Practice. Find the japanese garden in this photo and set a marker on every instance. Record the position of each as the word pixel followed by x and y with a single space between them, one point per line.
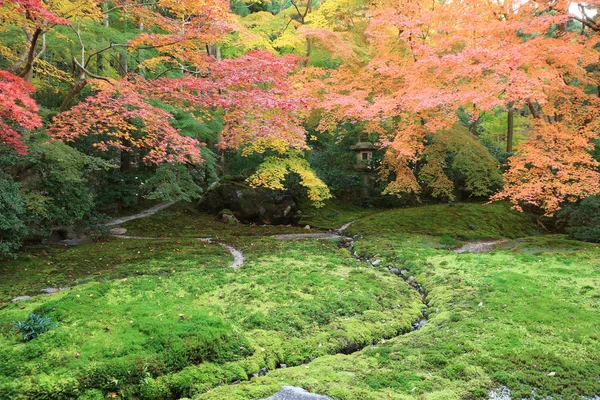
pixel 299 199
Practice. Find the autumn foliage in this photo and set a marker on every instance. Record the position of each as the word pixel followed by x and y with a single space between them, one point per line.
pixel 252 93
pixel 400 71
pixel 257 101
pixel 184 28
pixel 120 117
pixel 17 111
pixel 428 59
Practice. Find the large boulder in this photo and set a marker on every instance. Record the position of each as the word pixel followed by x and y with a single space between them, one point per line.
pixel 258 205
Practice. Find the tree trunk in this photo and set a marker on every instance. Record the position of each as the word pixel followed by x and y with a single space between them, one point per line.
pixel 105 21
pixel 125 161
pixel 125 165
pixel 23 56
pixel 511 129
pixel 26 72
pixel 123 64
pixel 534 111
pixel 73 91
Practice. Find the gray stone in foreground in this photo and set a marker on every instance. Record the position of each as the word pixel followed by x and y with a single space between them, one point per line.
pixel 20 298
pixel 501 393
pixel 295 393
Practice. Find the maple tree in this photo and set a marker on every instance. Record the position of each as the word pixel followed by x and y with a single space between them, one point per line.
pixel 401 70
pixel 35 19
pixel 257 104
pixel 17 110
pixel 428 59
pixel 183 29
pixel 120 117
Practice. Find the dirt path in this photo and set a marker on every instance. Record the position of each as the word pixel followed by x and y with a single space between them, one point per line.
pixel 143 214
pixel 480 246
pixel 238 256
pixel 299 236
pixel 345 226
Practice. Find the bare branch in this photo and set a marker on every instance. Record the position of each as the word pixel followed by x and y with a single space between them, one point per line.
pixel 103 50
pixel 90 73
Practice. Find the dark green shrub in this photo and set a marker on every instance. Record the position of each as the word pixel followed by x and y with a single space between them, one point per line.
pixel 583 219
pixel 172 182
pixel 115 189
pixel 12 216
pixel 34 326
pixel 455 162
pixel 56 187
pixel 53 190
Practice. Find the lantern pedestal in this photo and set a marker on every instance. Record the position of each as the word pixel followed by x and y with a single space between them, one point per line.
pixel 364 156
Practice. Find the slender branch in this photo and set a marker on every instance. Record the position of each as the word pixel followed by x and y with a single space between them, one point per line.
pixel 298 10
pixel 204 74
pixel 31 54
pixel 103 78
pixel 103 50
pixel 308 8
pixel 286 26
pixel 43 49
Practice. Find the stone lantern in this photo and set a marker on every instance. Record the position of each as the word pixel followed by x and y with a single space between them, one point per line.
pixel 364 156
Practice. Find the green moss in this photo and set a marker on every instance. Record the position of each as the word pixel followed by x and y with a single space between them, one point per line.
pixel 178 316
pixel 333 214
pixel 464 221
pixel 180 324
pixel 58 267
pixel 510 317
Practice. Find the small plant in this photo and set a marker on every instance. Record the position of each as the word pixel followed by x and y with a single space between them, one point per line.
pixel 34 326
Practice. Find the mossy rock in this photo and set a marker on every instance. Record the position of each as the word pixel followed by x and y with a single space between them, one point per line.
pixel 248 204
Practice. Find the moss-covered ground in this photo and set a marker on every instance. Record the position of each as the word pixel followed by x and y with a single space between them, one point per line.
pixel 167 318
pixel 333 214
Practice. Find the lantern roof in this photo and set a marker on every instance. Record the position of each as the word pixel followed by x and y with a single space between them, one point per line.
pixel 364 146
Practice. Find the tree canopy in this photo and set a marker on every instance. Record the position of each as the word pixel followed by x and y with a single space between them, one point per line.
pixel 438 86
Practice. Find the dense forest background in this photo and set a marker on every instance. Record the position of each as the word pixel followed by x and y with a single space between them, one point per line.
pixel 107 105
